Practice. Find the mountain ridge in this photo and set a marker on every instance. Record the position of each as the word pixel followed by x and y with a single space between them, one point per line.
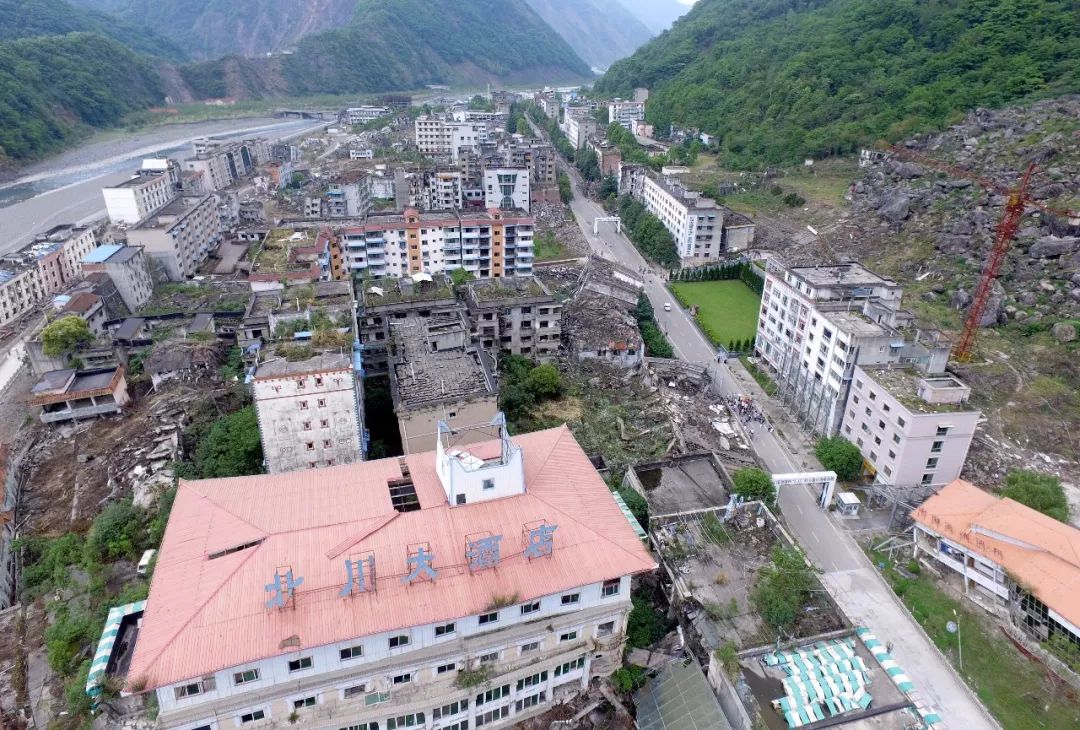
pixel 600 31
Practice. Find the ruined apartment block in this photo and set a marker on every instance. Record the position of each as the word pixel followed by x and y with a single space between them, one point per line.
pixel 518 316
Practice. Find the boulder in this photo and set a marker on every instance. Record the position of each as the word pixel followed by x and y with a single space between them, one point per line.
pixel 960 299
pixel 907 170
pixel 1050 247
pixel 1064 332
pixel 895 206
pixel 994 311
pixel 1075 294
pixel 1028 298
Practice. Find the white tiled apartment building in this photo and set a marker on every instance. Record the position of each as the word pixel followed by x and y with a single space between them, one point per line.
pixel 180 236
pixel 507 188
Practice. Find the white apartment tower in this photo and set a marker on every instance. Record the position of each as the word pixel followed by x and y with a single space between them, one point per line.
pixel 507 188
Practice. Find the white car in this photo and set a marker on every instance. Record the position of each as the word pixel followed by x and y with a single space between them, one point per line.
pixel 667 306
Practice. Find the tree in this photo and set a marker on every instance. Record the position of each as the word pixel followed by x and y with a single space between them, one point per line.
pixel 523 128
pixel 64 335
pixel 460 276
pixel 609 186
pixel 232 447
pixel 782 588
pixel 544 382
pixel 1042 492
pixel 566 192
pixel 838 454
pixel 116 533
pixel 754 484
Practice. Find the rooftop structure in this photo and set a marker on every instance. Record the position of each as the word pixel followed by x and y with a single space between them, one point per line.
pixel 516 315
pixel 354 577
pixel 66 395
pixel 920 393
pixel 1016 556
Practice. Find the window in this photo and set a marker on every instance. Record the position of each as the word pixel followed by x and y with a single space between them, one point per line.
pixel 351 652
pixel 885 407
pixel 362 726
pixel 901 421
pixel 489 484
pixel 326 443
pixel 322 402
pixel 489 618
pixel 355 691
pixel 449 710
pixel 888 471
pixel 460 499
pixel 892 454
pixel 531 646
pixel 528 608
pixel 495 693
pixel 463 725
pixel 571 598
pixel 297 665
pixel 310 445
pixel 323 423
pixel 881 424
pixel 444 629
pixel 446 668
pixel 568 636
pixel 935 448
pixel 305 702
pixel 303 405
pixel 248 675
pixel 376 698
pixel 402 678
pixel 569 666
pixel 610 587
pixel 873 395
pixel 927 479
pixel 605 629
pixel 530 701
pixel 413 719
pixel 877 441
pixel 307 425
pixel 252 717
pixel 867 411
pixel 855 399
pixel 942 430
pixel 532 680
pixel 499 713
pixel 931 463
pixel 398 641
pixel 188 690
pixel 896 438
pixel 489 658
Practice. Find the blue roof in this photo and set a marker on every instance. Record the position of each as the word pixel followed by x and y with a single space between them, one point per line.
pixel 101 254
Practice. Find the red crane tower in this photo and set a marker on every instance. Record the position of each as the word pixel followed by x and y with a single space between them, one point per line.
pixel 1018 200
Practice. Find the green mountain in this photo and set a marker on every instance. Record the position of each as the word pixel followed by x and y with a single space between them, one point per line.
pixel 53 87
pixel 778 80
pixel 29 18
pixel 406 44
pixel 600 31
pixel 212 28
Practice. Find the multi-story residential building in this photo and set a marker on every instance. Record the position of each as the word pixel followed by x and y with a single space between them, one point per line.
pixel 391 586
pixel 475 115
pixel 223 163
pixel 437 376
pixel 489 244
pixel 695 222
pixel 349 199
pixel 466 138
pixel 310 412
pixel 385 300
pixel 433 190
pixel 88 307
pixel 597 328
pixel 507 188
pixel 517 316
pixel 73 244
pixel 608 157
pixel 180 236
pixel 626 112
pixel 129 271
pixel 364 114
pixel 48 265
pixel 134 199
pixel 432 136
pixel 912 429
pixel 1016 559
pixel 578 125
pixel 20 288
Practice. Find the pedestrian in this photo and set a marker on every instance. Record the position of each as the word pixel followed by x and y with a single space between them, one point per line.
pixel 888 646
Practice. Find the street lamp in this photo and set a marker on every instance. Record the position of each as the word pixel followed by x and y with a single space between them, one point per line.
pixel 953 627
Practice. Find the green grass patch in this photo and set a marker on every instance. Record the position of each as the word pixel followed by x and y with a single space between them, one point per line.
pixel 727 310
pixel 1013 688
pixel 548 248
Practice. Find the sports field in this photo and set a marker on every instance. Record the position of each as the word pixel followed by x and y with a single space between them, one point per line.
pixel 727 310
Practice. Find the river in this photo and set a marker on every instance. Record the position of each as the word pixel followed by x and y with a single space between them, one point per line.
pixel 67 188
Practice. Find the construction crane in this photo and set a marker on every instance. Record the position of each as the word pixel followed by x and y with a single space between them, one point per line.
pixel 1018 200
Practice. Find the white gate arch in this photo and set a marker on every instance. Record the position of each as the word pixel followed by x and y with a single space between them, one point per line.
pixel 612 219
pixel 824 479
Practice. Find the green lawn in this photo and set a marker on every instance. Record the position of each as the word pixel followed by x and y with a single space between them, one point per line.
pixel 1012 687
pixel 727 310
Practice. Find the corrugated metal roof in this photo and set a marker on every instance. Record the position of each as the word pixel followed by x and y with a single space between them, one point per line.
pixel 101 254
pixel 679 698
pixel 205 615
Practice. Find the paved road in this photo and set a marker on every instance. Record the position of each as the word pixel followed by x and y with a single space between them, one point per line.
pixel 846 572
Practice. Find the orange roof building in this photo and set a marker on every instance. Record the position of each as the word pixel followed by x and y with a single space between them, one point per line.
pixel 1023 559
pixel 380 591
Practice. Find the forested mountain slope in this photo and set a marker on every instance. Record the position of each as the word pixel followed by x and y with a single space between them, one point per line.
pixel 29 18
pixel 213 28
pixel 600 31
pixel 778 80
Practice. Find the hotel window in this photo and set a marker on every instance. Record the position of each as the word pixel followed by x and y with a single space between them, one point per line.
pixel 305 702
pixel 298 665
pixel 489 618
pixel 351 652
pixel 398 641
pixel 446 668
pixel 444 629
pixel 568 636
pixel 252 717
pixel 402 678
pixel 528 608
pixel 610 587
pixel 248 675
pixel 571 598
pixel 605 629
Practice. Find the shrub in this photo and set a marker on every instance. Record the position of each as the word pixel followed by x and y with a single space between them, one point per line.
pixel 754 484
pixel 1042 492
pixel 782 588
pixel 646 625
pixel 116 533
pixel 728 656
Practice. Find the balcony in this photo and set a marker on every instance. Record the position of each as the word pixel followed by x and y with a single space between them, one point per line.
pixel 78 413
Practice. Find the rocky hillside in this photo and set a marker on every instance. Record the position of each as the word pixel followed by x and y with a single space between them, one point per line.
pixel 212 28
pixel 933 231
pixel 600 31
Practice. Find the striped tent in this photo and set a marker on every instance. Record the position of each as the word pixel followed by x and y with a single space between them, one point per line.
pixel 896 673
pixel 95 681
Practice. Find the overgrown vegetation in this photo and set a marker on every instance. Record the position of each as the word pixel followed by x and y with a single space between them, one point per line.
pixel 838 454
pixel 656 344
pixel 783 586
pixel 229 448
pixel 546 247
pixel 522 387
pixel 751 484
pixel 1042 492
pixel 648 233
pixel 628 677
pixel 64 335
pixel 841 74
pixel 646 625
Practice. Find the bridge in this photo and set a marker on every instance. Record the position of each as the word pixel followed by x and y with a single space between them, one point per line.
pixel 330 114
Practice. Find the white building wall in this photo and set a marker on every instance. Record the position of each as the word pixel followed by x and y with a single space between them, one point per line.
pixel 507 185
pixel 564 632
pixel 308 420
